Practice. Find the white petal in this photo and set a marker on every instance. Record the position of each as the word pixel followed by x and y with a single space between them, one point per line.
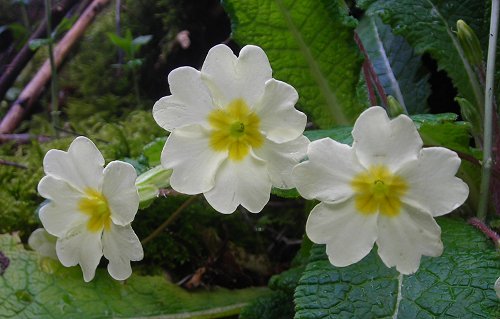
pixel 187 152
pixel 349 236
pixel 121 245
pixel 432 181
pixel 279 119
pixel 80 246
pixel 281 159
pixel 190 102
pixel 403 239
pixel 43 243
pixel 61 213
pixel 119 189
pixel 328 173
pixel 229 77
pixel 378 140
pixel 243 183
pixel 59 191
pixel 81 165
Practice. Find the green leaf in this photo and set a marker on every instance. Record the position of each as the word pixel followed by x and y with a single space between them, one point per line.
pixel 454 136
pixel 310 45
pixel 142 40
pixel 152 151
pixel 459 284
pixel 35 44
pixel 398 68
pixel 428 26
pixel 33 288
pixel 339 134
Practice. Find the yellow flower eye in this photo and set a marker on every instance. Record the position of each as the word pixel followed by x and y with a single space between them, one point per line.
pixel 95 205
pixel 378 190
pixel 235 129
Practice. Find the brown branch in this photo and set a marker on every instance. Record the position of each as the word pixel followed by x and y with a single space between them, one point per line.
pixel 4 162
pixel 22 106
pixel 25 54
pixel 23 138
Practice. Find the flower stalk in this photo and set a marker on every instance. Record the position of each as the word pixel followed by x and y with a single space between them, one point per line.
pixel 488 111
pixel 169 220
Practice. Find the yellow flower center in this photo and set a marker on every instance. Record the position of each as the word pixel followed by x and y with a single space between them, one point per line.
pixel 95 205
pixel 378 190
pixel 235 129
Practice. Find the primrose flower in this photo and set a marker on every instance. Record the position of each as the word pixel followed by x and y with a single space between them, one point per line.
pixel 234 130
pixel 90 209
pixel 43 243
pixel 384 189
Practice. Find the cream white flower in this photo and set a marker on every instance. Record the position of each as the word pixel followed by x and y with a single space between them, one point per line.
pixel 90 209
pixel 234 130
pixel 384 189
pixel 43 243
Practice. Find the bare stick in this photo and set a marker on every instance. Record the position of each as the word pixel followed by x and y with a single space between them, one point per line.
pixel 22 106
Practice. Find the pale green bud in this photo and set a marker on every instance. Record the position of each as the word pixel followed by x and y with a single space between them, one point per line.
pixel 395 108
pixel 469 43
pixel 470 114
pixel 149 183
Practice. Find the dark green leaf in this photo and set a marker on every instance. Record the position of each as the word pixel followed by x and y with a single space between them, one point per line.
pixel 428 26
pixel 35 44
pixel 310 45
pixel 459 284
pixel 398 68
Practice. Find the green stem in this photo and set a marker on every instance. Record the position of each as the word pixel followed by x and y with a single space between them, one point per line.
pixel 136 86
pixel 53 79
pixel 169 220
pixel 488 111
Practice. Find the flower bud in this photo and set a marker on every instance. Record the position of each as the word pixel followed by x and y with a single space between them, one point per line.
pixel 470 114
pixel 470 43
pixel 149 183
pixel 395 108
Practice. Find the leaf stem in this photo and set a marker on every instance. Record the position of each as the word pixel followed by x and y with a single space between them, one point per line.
pixel 169 220
pixel 488 113
pixel 53 83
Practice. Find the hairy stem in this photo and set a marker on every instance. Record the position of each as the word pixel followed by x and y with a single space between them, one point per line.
pixel 488 111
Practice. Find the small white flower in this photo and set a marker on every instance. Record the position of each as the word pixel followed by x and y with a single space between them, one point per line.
pixel 234 130
pixel 43 243
pixel 384 189
pixel 90 209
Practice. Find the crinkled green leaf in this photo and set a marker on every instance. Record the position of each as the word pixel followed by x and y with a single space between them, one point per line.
pixel 310 45
pixel 339 134
pixel 459 284
pixel 275 305
pixel 428 26
pixel 30 288
pixel 396 64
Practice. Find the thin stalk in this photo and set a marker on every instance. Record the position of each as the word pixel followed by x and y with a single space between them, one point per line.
pixel 136 86
pixel 488 113
pixel 169 220
pixel 53 79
